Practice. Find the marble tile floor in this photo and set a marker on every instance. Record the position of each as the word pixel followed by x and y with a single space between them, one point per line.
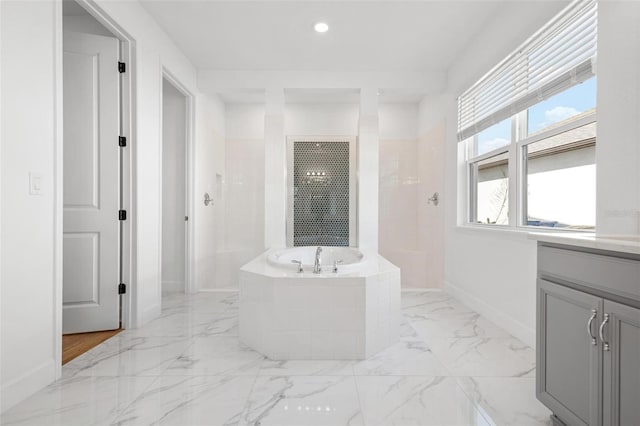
pixel 451 367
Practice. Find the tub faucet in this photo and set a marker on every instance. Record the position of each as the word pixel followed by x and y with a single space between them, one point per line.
pixel 316 266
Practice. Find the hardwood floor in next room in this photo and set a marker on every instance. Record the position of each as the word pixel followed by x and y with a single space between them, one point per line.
pixel 74 345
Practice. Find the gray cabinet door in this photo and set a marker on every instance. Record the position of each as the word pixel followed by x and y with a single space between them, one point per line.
pixel 621 365
pixel 568 361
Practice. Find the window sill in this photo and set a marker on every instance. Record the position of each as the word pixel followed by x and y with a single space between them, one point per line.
pixel 514 233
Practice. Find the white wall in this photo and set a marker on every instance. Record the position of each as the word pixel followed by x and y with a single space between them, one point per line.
pixel 325 119
pixel 27 292
pixel 173 188
pixel 618 149
pixel 492 270
pixel 29 341
pixel 154 51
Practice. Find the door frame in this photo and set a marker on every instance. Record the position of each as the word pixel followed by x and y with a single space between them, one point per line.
pixel 189 151
pixel 128 166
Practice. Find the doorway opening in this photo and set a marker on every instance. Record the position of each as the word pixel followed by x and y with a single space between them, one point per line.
pixel 93 178
pixel 175 188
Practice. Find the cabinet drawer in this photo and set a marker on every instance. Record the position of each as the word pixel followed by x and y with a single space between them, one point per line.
pixel 606 273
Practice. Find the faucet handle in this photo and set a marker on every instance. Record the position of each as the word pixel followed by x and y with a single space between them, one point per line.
pixel 299 262
pixel 335 265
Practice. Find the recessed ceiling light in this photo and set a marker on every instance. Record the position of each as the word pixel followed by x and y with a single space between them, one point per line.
pixel 321 27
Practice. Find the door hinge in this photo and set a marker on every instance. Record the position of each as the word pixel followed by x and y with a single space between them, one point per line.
pixel 121 67
pixel 122 215
pixel 122 288
pixel 122 141
pixel 186 218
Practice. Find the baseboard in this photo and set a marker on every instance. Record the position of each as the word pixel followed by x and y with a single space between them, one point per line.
pixel 218 290
pixel 26 385
pixel 512 325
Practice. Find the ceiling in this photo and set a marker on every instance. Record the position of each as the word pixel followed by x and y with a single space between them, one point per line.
pixel 364 35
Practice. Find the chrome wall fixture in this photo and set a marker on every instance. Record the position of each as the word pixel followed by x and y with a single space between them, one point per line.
pixel 435 198
pixel 207 199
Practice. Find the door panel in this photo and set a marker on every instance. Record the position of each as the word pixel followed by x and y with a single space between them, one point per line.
pixel 80 265
pixel 91 183
pixel 622 365
pixel 568 363
pixel 81 135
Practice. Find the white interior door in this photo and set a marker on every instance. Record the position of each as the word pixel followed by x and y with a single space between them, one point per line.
pixel 91 183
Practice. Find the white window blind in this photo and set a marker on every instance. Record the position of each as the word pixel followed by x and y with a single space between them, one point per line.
pixel 558 56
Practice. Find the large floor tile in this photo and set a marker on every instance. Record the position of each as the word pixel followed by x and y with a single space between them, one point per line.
pixel 396 401
pixel 306 368
pixel 207 400
pixel 406 358
pixel 217 355
pixel 78 401
pixel 429 302
pixel 469 324
pixel 127 355
pixel 213 302
pixel 175 324
pixel 407 331
pixel 508 401
pixel 188 367
pixel 303 400
pixel 224 324
pixel 485 356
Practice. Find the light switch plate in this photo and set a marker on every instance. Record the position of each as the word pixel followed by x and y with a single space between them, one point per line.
pixel 35 183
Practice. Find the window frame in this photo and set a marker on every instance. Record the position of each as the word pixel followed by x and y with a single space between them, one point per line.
pixel 517 172
pixel 523 158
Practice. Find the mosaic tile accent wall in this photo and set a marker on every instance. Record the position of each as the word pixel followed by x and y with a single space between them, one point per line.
pixel 321 193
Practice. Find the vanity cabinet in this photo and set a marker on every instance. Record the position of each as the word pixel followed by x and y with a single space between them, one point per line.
pixel 588 335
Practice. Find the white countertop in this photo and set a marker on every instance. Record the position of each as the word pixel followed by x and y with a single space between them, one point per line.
pixel 619 243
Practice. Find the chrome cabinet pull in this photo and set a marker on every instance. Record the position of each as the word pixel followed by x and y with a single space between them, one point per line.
pixel 594 339
pixel 605 345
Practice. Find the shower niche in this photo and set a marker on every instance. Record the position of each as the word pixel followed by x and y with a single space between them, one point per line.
pixel 321 199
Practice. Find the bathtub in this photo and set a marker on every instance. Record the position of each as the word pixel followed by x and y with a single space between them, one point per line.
pixel 348 258
pixel 351 314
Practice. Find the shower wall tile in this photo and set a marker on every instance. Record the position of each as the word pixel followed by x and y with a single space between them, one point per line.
pixel 431 218
pixel 244 208
pixel 399 198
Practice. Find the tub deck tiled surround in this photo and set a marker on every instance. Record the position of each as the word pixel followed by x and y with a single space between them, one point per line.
pixel 287 315
pixel 188 367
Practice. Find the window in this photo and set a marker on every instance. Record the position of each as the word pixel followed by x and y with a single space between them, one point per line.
pixel 559 167
pixel 494 137
pixel 491 180
pixel 529 129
